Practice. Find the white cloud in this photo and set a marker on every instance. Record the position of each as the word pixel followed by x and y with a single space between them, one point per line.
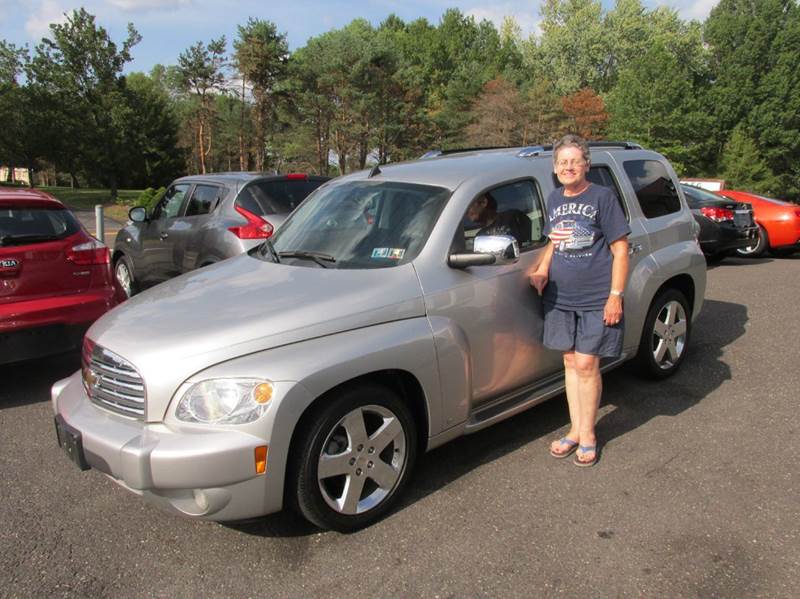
pixel 688 9
pixel 528 20
pixel 38 24
pixel 147 5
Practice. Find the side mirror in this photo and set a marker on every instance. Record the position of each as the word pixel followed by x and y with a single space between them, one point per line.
pixel 138 214
pixel 488 249
pixel 504 248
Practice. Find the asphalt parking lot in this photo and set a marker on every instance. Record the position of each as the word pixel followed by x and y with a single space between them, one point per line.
pixel 696 494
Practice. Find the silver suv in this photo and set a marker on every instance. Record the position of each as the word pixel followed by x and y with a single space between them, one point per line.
pixel 379 324
pixel 202 219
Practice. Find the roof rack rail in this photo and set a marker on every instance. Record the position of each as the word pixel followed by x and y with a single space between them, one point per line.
pixel 435 153
pixel 628 145
pixel 530 151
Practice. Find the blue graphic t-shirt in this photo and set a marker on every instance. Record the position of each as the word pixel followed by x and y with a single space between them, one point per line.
pixel 580 273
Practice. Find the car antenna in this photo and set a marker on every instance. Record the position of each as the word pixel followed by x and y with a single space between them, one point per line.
pixel 375 171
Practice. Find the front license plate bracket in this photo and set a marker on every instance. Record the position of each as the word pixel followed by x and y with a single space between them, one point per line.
pixel 69 439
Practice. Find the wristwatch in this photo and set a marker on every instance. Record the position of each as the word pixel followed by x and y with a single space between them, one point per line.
pixel 619 294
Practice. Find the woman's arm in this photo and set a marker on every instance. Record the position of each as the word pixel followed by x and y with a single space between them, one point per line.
pixel 612 313
pixel 541 274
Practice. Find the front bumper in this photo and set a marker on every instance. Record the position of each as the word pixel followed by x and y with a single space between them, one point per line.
pixel 208 474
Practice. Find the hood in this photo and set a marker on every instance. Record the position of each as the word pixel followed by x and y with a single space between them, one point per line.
pixel 245 305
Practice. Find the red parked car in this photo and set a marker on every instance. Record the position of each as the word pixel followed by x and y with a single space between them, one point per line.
pixel 778 224
pixel 55 278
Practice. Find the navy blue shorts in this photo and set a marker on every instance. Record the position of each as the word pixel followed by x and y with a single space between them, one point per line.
pixel 583 331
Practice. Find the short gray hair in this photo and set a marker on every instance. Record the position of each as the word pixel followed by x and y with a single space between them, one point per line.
pixel 572 141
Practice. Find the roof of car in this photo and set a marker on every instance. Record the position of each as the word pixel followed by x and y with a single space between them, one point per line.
pixel 27 197
pixel 451 169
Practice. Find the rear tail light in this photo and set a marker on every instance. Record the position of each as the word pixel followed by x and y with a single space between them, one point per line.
pixel 89 252
pixel 297 176
pixel 256 227
pixel 717 214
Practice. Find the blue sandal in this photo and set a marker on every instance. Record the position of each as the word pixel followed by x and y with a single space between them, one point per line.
pixel 571 446
pixel 585 449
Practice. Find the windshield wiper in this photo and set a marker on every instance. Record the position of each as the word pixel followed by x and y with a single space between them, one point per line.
pixel 20 239
pixel 317 257
pixel 267 248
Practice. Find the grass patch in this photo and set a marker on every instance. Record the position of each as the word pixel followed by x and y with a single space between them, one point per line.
pixel 85 199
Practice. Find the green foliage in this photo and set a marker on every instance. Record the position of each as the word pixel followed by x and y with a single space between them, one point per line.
pixel 150 197
pixel 655 104
pixel 744 166
pixel 719 99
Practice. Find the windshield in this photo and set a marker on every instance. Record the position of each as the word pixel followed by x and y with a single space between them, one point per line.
pixel 360 224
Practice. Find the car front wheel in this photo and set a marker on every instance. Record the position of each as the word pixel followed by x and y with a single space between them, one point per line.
pixel 665 335
pixel 353 458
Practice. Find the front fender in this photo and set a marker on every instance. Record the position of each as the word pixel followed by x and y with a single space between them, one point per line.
pixel 307 370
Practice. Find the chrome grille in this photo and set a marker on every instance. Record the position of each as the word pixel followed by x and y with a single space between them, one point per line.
pixel 112 382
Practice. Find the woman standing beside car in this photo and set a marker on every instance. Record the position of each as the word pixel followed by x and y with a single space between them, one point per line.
pixel 581 279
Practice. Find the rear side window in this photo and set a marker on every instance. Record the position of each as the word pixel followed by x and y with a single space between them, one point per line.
pixel 654 188
pixel 514 209
pixel 17 224
pixel 203 200
pixel 276 197
pixel 601 175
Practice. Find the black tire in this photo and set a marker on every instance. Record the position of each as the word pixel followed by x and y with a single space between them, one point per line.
pixel 663 346
pixel 758 249
pixel 326 501
pixel 129 286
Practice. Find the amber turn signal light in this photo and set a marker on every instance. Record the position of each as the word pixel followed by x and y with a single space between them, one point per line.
pixel 261 459
pixel 262 393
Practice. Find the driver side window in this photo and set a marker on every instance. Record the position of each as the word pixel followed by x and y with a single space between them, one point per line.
pixel 170 204
pixel 514 209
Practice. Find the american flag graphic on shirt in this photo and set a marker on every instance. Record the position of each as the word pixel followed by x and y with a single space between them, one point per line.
pixel 580 236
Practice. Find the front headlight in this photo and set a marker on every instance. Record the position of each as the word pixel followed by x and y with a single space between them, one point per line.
pixel 225 401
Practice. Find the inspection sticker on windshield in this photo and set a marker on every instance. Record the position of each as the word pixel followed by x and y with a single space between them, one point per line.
pixel 396 253
pixel 380 253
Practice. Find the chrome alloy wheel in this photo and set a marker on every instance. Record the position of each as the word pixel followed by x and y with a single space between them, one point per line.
pixel 362 459
pixel 669 334
pixel 123 276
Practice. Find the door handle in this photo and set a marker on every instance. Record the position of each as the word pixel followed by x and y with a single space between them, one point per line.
pixel 634 248
pixel 163 236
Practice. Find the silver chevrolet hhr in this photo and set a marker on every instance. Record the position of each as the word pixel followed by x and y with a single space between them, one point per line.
pixel 380 323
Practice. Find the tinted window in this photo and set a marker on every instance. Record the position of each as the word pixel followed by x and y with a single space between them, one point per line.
pixel 277 197
pixel 170 204
pixel 695 196
pixel 514 209
pixel 363 224
pixel 35 222
pixel 601 175
pixel 655 190
pixel 203 199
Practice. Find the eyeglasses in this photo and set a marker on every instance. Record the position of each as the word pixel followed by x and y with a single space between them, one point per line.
pixel 570 163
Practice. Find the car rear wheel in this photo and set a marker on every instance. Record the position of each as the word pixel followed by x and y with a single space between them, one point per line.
pixel 123 273
pixel 665 335
pixel 354 458
pixel 758 247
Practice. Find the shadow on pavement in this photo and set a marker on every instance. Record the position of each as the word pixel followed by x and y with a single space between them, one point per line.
pixel 636 401
pixel 30 381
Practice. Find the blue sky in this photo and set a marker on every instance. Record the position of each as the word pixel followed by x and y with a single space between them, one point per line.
pixel 170 26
